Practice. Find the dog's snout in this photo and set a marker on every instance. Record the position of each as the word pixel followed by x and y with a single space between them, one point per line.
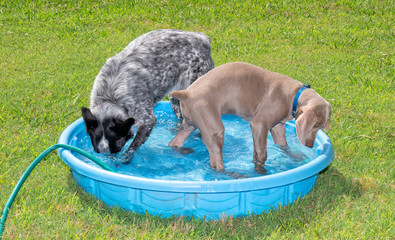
pixel 103 145
pixel 310 143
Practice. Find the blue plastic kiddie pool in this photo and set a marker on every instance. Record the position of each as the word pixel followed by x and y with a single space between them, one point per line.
pixel 165 182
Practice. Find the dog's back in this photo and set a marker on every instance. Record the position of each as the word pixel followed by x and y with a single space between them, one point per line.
pixel 150 66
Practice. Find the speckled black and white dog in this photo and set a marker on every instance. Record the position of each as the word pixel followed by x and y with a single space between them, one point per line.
pixel 133 81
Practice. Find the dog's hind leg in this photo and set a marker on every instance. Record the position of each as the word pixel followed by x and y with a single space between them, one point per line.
pixel 209 122
pixel 184 132
pixel 214 142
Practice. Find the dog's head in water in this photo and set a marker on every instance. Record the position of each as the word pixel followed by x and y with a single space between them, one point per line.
pixel 108 132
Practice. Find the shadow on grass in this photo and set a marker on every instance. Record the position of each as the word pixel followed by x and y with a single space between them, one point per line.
pixel 329 192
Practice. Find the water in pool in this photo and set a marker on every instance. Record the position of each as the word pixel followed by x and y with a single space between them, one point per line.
pixel 156 160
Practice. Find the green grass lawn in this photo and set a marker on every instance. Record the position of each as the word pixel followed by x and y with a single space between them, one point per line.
pixel 51 51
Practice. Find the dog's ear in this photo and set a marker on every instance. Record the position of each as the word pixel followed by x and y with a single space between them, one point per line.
pixel 329 111
pixel 122 127
pixel 90 120
pixel 326 127
pixel 305 120
pixel 180 95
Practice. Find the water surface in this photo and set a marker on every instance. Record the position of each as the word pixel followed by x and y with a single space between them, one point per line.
pixel 156 160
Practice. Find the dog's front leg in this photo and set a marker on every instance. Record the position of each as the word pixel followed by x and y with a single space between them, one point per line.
pixel 259 133
pixel 278 134
pixel 142 134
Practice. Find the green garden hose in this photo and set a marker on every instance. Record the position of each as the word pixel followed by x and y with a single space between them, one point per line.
pixel 33 165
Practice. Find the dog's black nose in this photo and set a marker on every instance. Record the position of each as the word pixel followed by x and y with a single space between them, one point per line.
pixel 96 149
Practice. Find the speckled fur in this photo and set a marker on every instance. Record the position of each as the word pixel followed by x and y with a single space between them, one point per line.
pixel 133 81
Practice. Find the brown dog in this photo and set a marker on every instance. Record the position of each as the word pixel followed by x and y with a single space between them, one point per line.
pixel 262 97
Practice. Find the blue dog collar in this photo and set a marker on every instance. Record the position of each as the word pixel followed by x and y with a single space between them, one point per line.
pixel 295 103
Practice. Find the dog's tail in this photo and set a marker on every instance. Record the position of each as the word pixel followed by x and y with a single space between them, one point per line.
pixel 180 95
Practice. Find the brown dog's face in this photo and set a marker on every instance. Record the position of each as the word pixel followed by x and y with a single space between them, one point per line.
pixel 309 120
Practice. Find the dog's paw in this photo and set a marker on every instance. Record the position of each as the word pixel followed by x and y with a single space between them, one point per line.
pixel 217 165
pixel 260 169
pixel 126 157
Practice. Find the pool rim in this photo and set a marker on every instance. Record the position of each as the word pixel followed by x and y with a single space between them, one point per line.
pixel 324 150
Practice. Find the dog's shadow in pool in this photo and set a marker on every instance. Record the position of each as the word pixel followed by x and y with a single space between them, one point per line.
pixel 183 150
